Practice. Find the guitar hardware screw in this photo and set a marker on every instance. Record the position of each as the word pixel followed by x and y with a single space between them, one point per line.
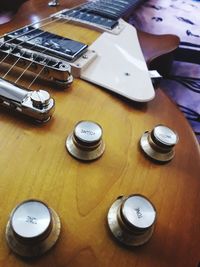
pixel 33 228
pixel 40 99
pixel 127 74
pixel 159 143
pixel 85 56
pixel 85 142
pixel 131 219
pixel 53 3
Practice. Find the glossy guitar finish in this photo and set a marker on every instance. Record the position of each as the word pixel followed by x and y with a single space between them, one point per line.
pixel 8 10
pixel 92 62
pixel 35 164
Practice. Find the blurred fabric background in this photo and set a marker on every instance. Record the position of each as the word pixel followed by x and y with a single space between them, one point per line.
pixel 183 19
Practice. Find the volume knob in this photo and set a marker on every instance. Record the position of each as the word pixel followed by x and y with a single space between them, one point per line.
pixel 85 142
pixel 33 228
pixel 159 143
pixel 131 219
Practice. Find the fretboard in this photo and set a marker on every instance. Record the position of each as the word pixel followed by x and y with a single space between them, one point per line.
pixel 104 13
pixel 113 9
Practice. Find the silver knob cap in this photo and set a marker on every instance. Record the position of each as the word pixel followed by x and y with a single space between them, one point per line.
pixel 159 143
pixel 53 3
pixel 85 142
pixel 40 99
pixel 33 228
pixel 131 219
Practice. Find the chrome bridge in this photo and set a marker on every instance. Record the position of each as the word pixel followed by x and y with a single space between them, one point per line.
pixel 48 67
pixel 36 104
pixel 52 56
pixel 47 56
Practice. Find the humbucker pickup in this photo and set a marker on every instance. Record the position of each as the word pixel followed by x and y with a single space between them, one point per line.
pixel 48 43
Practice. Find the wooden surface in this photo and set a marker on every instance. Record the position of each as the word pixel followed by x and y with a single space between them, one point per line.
pixel 8 9
pixel 34 164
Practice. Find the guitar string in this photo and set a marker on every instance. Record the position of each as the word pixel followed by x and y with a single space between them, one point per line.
pixel 66 21
pixel 38 74
pixel 12 39
pixel 34 23
pixel 16 45
pixel 31 31
pixel 46 63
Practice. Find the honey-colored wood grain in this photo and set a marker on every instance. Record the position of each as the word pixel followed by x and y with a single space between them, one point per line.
pixel 35 164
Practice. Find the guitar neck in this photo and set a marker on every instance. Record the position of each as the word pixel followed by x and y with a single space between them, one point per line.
pixel 102 14
pixel 113 9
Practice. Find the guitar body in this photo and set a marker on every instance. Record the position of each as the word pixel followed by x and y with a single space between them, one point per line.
pixel 35 164
pixel 8 10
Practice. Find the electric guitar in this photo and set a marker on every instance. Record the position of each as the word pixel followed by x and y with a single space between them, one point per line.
pixel 42 161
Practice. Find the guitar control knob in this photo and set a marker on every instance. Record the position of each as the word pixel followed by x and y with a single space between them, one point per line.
pixel 131 219
pixel 85 142
pixel 159 143
pixel 40 99
pixel 33 228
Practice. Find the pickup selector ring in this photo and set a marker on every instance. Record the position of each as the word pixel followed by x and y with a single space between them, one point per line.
pixel 85 142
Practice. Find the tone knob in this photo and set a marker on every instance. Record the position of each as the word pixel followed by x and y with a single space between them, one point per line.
pixel 159 143
pixel 131 219
pixel 85 142
pixel 40 98
pixel 33 228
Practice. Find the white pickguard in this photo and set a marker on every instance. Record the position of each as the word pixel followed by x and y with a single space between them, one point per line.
pixel 120 65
